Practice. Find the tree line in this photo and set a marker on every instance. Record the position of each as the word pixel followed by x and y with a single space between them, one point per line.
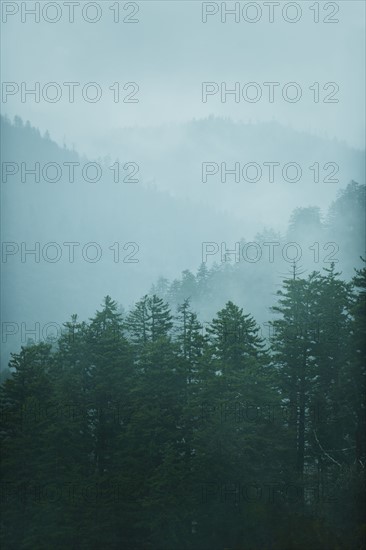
pixel 147 431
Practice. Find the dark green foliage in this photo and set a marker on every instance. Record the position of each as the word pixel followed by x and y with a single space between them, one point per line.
pixel 151 432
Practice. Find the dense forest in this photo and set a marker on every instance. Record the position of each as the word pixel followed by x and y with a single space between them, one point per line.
pixel 183 275
pixel 148 430
pixel 223 410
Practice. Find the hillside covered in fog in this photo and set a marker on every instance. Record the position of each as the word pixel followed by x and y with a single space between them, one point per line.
pixel 161 219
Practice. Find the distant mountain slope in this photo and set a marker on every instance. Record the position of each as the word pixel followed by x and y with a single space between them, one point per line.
pixel 168 232
pixel 163 230
pixel 172 156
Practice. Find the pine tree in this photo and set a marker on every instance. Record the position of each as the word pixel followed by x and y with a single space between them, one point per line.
pixel 309 352
pixel 293 359
pixel 358 366
pixel 234 431
pixel 26 401
pixel 110 367
pixel 202 278
pixel 235 337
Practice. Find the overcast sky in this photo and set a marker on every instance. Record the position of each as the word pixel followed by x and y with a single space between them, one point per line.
pixel 170 52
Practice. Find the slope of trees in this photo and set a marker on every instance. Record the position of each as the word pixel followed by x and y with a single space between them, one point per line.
pixel 28 206
pixel 152 431
pixel 338 238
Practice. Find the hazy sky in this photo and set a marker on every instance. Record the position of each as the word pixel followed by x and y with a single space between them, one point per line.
pixel 170 52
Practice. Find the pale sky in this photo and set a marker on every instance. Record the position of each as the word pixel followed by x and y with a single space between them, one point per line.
pixel 170 52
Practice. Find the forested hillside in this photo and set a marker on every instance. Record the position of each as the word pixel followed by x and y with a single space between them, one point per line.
pixel 147 236
pixel 183 275
pixel 149 430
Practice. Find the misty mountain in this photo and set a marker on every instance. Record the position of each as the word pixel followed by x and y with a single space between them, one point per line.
pixel 172 157
pixel 90 238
